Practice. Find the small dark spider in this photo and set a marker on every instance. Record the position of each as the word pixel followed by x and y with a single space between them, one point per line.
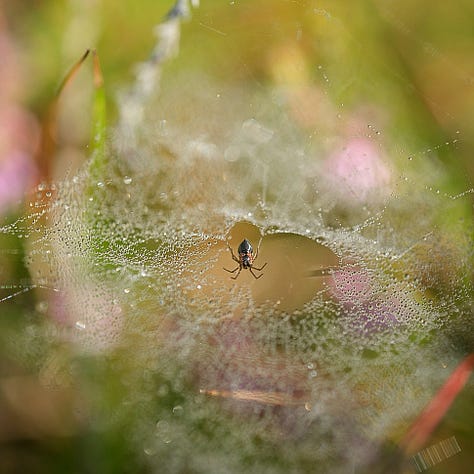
pixel 246 259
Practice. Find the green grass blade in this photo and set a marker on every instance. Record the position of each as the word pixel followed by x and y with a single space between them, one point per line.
pixel 99 123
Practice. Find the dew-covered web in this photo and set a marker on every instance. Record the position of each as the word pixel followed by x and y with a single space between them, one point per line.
pixel 367 285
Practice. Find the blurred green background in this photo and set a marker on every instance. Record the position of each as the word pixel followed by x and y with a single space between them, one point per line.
pixel 412 59
pixel 400 72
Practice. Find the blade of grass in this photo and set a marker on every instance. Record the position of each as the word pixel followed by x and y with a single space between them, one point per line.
pixel 99 122
pixel 49 126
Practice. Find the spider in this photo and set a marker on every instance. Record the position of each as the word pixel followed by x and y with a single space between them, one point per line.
pixel 246 259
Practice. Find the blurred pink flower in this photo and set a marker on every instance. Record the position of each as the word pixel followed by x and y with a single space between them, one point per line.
pixel 351 284
pixel 89 316
pixel 16 175
pixel 357 173
pixel 18 142
pixel 366 308
pixel 19 130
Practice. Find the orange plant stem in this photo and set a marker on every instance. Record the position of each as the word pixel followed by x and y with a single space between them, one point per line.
pixel 429 418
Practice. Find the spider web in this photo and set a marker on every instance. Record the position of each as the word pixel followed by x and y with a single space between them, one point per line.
pixel 359 312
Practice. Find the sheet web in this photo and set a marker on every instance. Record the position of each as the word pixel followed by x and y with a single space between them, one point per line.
pixel 325 358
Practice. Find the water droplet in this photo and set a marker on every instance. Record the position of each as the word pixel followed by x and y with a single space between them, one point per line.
pixel 256 132
pixel 232 153
pixel 127 179
pixel 149 450
pixel 42 306
pixel 163 431
pixel 162 425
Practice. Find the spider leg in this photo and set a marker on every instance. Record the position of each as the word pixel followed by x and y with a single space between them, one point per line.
pixel 231 271
pixel 261 268
pixel 253 274
pixel 232 252
pixel 238 273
